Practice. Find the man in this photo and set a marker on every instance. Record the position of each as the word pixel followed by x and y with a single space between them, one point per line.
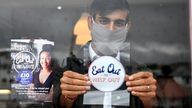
pixel 108 23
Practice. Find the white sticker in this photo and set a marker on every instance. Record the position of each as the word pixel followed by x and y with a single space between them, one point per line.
pixel 106 73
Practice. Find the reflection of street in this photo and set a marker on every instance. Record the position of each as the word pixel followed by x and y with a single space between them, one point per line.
pixel 19 92
pixel 173 93
pixel 4 68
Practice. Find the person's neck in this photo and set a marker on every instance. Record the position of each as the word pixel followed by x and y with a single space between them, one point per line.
pixel 47 70
pixel 99 53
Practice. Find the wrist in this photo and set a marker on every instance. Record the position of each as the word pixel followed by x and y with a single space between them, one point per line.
pixel 66 101
pixel 70 99
pixel 148 102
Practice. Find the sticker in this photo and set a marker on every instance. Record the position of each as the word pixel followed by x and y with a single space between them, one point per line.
pixel 24 63
pixel 25 77
pixel 25 60
pixel 106 73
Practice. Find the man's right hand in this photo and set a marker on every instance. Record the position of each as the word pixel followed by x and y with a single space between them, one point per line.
pixel 74 84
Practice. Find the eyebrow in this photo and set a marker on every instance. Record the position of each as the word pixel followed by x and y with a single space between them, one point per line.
pixel 102 17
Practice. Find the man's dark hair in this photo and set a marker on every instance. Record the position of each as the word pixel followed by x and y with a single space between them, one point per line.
pixel 104 7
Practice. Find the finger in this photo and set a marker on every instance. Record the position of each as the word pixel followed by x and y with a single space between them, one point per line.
pixel 138 82
pixel 75 75
pixel 71 81
pixel 72 93
pixel 126 77
pixel 143 94
pixel 139 75
pixel 74 87
pixel 148 88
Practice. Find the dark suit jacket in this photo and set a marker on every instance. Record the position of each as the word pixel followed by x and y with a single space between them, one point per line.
pixel 80 64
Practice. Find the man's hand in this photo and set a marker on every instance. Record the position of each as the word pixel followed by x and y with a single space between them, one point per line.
pixel 143 85
pixel 74 84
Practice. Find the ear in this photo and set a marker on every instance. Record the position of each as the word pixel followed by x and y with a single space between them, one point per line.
pixel 90 22
pixel 129 25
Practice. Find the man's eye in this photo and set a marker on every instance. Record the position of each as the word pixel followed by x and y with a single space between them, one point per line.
pixel 104 21
pixel 120 23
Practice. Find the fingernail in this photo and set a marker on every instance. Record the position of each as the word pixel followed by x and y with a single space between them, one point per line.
pixel 133 93
pixel 126 78
pixel 130 78
pixel 129 89
pixel 87 78
pixel 88 87
pixel 128 83
pixel 88 82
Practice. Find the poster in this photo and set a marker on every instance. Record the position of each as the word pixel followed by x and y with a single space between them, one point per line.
pixel 31 69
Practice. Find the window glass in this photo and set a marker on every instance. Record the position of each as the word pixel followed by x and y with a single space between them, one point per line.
pixel 158 37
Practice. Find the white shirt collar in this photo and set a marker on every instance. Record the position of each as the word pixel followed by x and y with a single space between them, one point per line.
pixel 93 54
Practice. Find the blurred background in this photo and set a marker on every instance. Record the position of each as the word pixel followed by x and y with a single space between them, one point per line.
pixel 159 37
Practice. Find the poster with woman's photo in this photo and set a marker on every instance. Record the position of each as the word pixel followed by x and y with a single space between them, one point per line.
pixel 31 70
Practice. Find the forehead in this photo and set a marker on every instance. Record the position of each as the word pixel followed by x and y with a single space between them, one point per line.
pixel 45 54
pixel 118 14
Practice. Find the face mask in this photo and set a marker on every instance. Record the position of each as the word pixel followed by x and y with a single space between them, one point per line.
pixel 107 42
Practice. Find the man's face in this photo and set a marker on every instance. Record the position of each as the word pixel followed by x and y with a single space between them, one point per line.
pixel 114 20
